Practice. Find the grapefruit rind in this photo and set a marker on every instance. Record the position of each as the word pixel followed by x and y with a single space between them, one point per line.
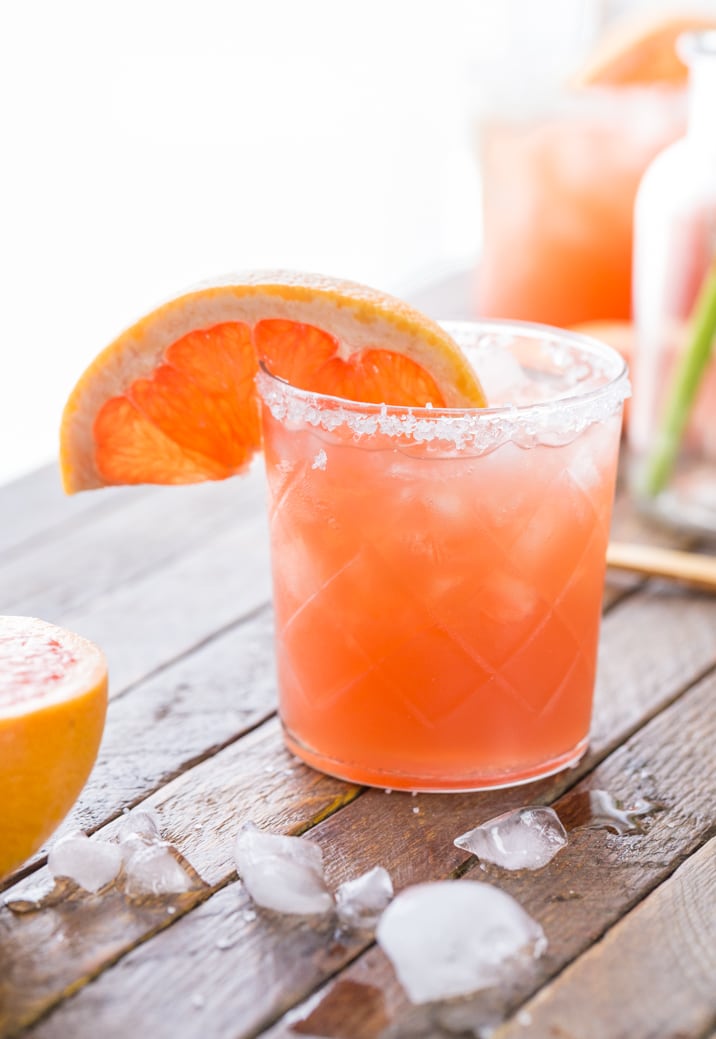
pixel 49 740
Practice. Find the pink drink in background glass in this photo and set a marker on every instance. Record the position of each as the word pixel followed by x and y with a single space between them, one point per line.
pixel 558 197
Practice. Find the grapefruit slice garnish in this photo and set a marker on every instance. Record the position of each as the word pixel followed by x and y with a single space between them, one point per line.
pixel 641 50
pixel 53 700
pixel 172 399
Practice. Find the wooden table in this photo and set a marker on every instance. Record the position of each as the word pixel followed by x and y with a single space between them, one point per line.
pixel 174 584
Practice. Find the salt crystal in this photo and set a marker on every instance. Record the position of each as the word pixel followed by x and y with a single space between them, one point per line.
pixel 320 461
pixel 453 937
pixel 526 838
pixel 90 863
pixel 154 869
pixel 361 901
pixel 282 873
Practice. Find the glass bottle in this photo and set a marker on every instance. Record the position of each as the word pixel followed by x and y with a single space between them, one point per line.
pixel 672 426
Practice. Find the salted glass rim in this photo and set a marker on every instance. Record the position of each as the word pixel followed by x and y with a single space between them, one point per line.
pixel 616 382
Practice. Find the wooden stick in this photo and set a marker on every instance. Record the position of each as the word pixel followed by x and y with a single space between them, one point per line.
pixel 690 567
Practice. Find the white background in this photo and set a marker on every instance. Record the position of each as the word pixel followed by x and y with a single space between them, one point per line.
pixel 151 144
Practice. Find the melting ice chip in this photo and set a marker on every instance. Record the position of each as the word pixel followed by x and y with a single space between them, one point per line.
pixel 453 937
pixel 282 873
pixel 526 838
pixel 154 869
pixel 361 901
pixel 90 863
pixel 138 828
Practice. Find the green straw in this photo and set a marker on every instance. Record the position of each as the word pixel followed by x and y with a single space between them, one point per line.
pixel 687 378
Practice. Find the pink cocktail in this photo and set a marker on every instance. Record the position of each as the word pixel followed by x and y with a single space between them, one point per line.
pixel 438 575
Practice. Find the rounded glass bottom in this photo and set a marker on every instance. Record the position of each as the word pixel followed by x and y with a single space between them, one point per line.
pixel 687 502
pixel 436 782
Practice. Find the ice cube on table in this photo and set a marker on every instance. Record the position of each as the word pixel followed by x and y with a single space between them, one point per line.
pixel 526 838
pixel 453 937
pixel 138 828
pixel 155 869
pixel 140 822
pixel 90 863
pixel 361 901
pixel 282 873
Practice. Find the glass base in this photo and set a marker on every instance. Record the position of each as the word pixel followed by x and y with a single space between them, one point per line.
pixel 354 772
pixel 687 503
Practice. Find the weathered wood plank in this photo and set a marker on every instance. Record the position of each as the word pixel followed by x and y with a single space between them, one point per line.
pixel 34 507
pixel 95 554
pixel 666 946
pixel 275 962
pixel 45 953
pixel 157 618
pixel 652 645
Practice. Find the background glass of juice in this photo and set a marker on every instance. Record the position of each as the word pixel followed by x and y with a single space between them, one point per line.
pixel 558 191
pixel 437 574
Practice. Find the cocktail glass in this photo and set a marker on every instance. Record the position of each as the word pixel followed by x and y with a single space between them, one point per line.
pixel 438 574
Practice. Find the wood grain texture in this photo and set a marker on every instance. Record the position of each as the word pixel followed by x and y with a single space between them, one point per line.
pixel 35 509
pixel 652 646
pixel 274 962
pixel 148 624
pixel 666 946
pixel 144 532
